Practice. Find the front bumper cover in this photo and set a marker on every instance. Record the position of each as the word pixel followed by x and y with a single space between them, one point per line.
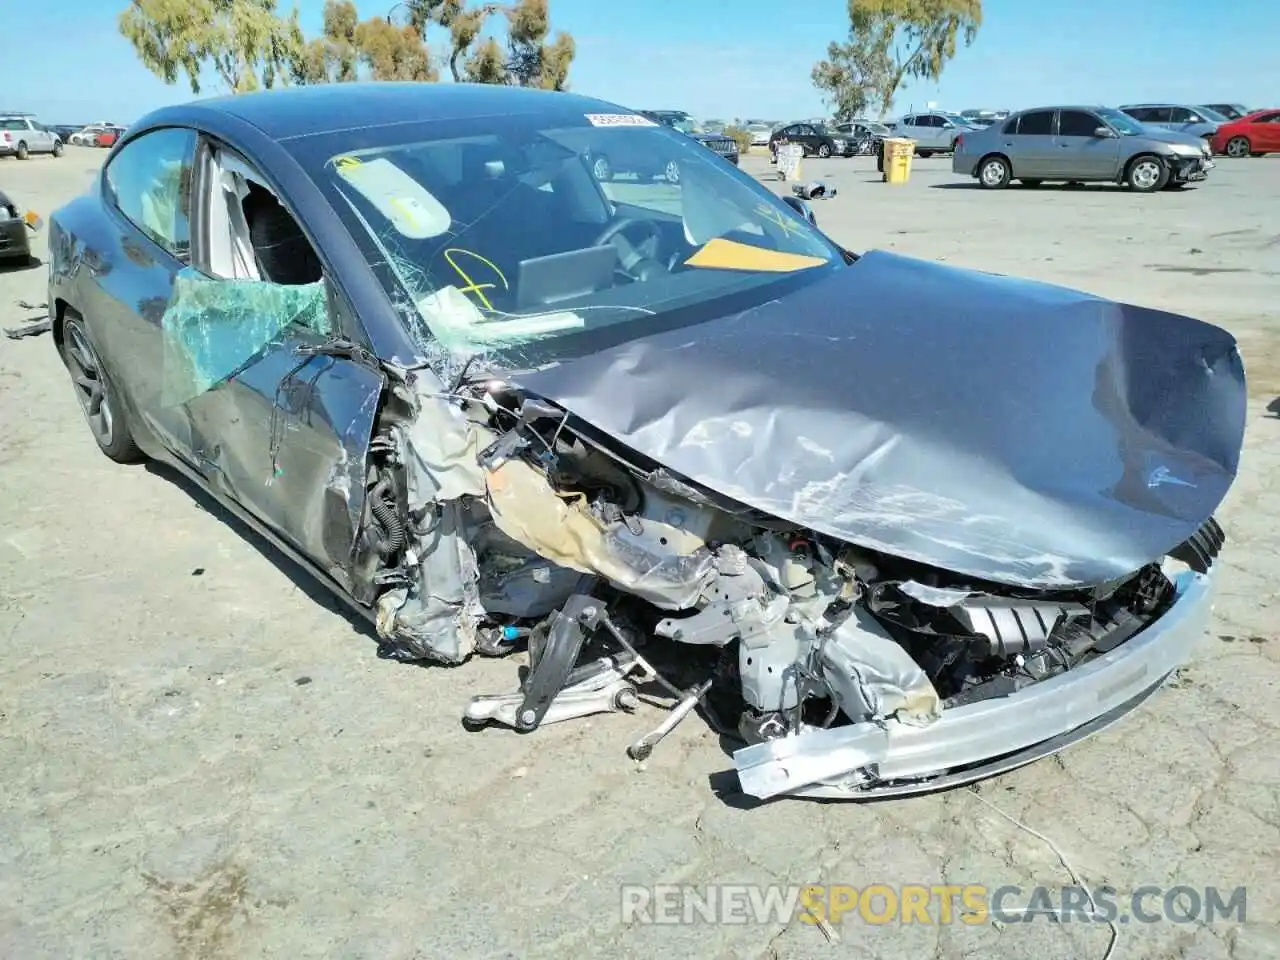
pixel 1191 169
pixel 975 741
pixel 14 242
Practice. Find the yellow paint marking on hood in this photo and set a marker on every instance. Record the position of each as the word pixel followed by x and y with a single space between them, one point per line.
pixel 722 254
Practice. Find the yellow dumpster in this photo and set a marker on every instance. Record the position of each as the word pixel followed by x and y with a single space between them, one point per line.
pixel 898 152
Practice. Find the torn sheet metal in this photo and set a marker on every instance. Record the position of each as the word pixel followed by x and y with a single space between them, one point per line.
pixel 213 327
pixel 543 540
pixel 659 563
pixel 872 677
pixel 999 428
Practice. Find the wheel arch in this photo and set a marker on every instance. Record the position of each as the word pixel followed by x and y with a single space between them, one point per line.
pixel 1133 161
pixel 992 155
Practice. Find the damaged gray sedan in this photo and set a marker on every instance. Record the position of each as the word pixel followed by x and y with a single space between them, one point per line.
pixel 892 524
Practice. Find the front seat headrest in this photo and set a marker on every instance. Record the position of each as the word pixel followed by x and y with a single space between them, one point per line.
pixel 284 253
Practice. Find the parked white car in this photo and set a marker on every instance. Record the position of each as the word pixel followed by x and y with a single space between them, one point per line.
pixel 88 137
pixel 933 132
pixel 22 135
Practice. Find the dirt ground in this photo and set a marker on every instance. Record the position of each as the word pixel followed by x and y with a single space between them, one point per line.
pixel 201 758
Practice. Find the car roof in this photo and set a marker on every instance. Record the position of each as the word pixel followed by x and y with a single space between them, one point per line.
pixel 332 107
pixel 1087 107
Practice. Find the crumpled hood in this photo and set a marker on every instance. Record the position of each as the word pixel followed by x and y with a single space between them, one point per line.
pixel 1003 429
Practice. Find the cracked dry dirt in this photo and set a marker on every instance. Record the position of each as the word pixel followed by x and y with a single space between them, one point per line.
pixel 199 759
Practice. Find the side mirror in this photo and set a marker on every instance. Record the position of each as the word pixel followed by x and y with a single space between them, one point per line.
pixel 1103 132
pixel 801 207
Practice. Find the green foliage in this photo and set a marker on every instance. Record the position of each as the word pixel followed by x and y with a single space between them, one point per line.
pixel 851 76
pixel 891 41
pixel 334 56
pixel 527 60
pixel 532 62
pixel 741 137
pixel 245 42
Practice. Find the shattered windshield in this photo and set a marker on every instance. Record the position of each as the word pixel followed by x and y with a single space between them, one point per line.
pixel 524 233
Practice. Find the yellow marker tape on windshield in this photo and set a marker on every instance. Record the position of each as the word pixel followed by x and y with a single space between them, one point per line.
pixel 473 287
pixel 346 163
pixel 722 254
pixel 778 219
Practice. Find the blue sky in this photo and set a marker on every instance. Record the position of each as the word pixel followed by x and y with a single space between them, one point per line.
pixel 744 58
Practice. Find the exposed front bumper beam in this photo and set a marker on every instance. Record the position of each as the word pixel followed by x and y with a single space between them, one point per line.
pixel 868 759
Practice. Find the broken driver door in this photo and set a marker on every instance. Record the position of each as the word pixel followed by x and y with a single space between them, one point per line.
pixel 281 415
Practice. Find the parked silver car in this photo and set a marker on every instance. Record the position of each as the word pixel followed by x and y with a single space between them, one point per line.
pixel 1232 111
pixel 21 135
pixel 1197 121
pixel 933 132
pixel 1078 144
pixel 863 128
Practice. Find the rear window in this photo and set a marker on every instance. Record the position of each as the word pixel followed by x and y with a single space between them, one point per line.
pixel 13 123
pixel 1038 123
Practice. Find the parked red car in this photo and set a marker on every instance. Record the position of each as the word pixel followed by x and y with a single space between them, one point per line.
pixel 108 137
pixel 1250 136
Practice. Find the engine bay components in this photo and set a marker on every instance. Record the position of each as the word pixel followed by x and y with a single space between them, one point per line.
pixel 541 537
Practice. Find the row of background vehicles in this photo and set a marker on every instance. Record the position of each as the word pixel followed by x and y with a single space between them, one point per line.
pixel 1230 129
pixel 22 135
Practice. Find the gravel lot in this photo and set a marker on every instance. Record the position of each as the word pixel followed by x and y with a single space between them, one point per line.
pixel 201 758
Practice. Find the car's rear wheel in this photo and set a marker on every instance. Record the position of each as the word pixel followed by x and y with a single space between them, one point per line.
pixel 824 150
pixel 994 173
pixel 102 413
pixel 22 152
pixel 601 168
pixel 1147 173
pixel 1238 147
pixel 924 154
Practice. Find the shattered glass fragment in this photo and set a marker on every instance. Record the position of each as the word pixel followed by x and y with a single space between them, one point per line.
pixel 213 328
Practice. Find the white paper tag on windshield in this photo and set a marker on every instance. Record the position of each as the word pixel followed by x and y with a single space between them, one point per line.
pixel 618 120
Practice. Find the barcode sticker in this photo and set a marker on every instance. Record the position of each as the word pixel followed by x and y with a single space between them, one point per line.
pixel 619 120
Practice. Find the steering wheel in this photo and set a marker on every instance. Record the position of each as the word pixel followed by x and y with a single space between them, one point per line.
pixel 632 254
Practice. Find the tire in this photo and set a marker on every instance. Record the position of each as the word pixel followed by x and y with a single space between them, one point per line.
pixel 1147 173
pixel 601 168
pixel 98 401
pixel 671 171
pixel 22 153
pixel 924 154
pixel 994 173
pixel 1031 183
pixel 1239 147
pixel 57 148
pixel 824 150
